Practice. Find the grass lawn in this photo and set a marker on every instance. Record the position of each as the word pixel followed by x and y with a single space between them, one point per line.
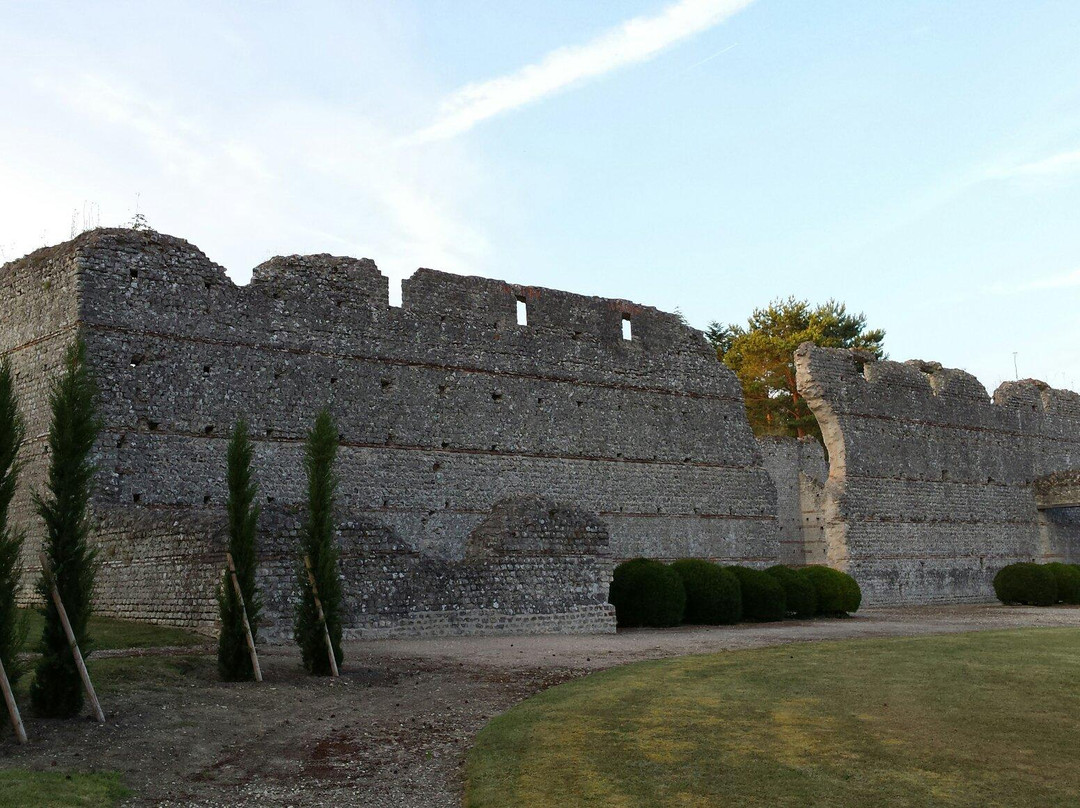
pixel 963 720
pixel 109 633
pixel 21 789
pixel 124 673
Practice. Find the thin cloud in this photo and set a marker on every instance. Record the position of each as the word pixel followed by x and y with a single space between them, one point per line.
pixel 1055 166
pixel 1066 280
pixel 633 41
pixel 710 58
pixel 301 174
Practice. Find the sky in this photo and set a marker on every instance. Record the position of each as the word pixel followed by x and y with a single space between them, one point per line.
pixel 919 161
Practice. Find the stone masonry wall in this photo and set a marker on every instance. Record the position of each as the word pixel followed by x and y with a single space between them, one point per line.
pixel 446 405
pixel 1057 496
pixel 799 471
pixel 39 313
pixel 930 482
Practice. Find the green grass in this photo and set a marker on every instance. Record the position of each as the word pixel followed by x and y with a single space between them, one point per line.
pixel 963 720
pixel 25 789
pixel 110 633
pixel 125 673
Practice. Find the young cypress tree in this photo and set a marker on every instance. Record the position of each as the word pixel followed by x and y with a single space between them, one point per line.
pixel 12 627
pixel 234 660
pixel 57 689
pixel 317 542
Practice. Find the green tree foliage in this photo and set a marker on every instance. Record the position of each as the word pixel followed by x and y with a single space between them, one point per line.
pixel 1027 583
pixel 234 660
pixel 1067 578
pixel 763 598
pixel 837 592
pixel 645 592
pixel 57 689
pixel 317 542
pixel 713 596
pixel 800 594
pixel 12 431
pixel 761 352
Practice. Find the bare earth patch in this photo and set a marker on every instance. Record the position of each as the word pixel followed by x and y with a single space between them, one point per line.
pixel 394 729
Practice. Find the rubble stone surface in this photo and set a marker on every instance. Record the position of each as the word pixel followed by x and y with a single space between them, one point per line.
pixel 930 488
pixel 449 412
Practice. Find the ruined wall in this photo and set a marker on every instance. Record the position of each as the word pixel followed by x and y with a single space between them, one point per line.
pixel 799 471
pixel 1057 496
pixel 930 482
pixel 1059 534
pixel 39 304
pixel 446 405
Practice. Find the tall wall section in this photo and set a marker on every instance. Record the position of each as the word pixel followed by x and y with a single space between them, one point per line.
pixel 39 314
pixel 799 471
pixel 446 406
pixel 930 481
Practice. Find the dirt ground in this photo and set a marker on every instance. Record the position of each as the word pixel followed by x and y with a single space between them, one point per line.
pixel 393 731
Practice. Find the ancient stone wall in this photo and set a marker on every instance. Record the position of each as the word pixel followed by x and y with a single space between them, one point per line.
pixel 446 406
pixel 799 471
pixel 930 482
pixel 39 312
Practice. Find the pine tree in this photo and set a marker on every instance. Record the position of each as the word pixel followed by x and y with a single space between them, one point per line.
pixel 57 689
pixel 317 542
pixel 762 355
pixel 234 660
pixel 12 626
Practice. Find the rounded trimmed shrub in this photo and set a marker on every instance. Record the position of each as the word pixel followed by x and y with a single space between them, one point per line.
pixel 647 593
pixel 1067 578
pixel 713 595
pixel 837 592
pixel 1031 584
pixel 799 592
pixel 763 596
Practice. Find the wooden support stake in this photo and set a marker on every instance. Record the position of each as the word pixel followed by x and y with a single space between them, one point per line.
pixel 12 707
pixel 322 618
pixel 247 626
pixel 87 685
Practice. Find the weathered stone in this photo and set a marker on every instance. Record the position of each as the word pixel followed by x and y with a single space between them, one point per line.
pixel 446 407
pixel 799 470
pixel 930 487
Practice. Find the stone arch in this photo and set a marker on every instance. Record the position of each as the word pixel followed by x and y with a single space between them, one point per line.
pixel 835 527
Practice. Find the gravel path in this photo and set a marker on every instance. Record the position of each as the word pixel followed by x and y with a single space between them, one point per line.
pixel 393 731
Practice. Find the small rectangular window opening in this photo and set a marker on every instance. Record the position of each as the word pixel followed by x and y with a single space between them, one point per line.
pixel 394 285
pixel 627 331
pixel 522 311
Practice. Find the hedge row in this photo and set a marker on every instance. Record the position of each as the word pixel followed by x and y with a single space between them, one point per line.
pixel 1038 584
pixel 650 593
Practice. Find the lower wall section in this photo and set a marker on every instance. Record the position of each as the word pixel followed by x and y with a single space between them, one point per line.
pixel 1059 534
pixel 595 619
pixel 160 567
pixel 919 542
pixel 532 566
pixel 895 582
